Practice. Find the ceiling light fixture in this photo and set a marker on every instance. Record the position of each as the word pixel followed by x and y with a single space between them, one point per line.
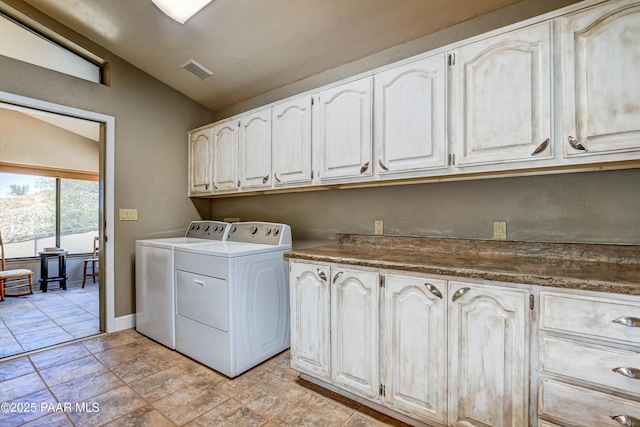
pixel 180 10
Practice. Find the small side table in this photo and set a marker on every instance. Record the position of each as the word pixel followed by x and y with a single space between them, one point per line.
pixel 44 269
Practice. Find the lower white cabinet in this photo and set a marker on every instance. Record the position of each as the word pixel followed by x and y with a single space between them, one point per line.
pixel 442 353
pixel 414 346
pixel 488 355
pixel 310 322
pixel 354 331
pixel 589 348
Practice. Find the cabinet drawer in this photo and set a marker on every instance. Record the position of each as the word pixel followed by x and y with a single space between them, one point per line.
pixel 590 363
pixel 582 407
pixel 590 317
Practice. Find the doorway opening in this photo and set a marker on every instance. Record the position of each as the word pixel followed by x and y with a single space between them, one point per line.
pixel 59 314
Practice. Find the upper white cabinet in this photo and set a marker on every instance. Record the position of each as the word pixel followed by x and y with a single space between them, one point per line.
pixel 501 96
pixel 600 69
pixel 488 350
pixel 255 150
pixel 291 154
pixel 200 158
pixel 415 346
pixel 342 132
pixel 225 156
pixel 409 119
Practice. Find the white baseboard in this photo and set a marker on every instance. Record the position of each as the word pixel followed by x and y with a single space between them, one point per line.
pixel 125 322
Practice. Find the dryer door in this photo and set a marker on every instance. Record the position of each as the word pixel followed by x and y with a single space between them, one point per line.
pixel 202 299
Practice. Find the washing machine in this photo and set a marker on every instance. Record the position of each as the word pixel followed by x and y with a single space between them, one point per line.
pixel 155 287
pixel 232 297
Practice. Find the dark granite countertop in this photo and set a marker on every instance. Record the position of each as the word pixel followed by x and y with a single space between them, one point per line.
pixel 597 267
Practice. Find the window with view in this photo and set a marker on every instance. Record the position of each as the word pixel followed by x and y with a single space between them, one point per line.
pixel 29 218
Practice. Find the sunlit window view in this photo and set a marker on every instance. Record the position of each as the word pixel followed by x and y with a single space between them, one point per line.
pixel 28 221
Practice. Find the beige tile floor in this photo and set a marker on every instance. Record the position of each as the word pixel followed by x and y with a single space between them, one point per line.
pixel 126 379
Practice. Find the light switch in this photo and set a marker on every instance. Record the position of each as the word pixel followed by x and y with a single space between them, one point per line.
pixel 128 214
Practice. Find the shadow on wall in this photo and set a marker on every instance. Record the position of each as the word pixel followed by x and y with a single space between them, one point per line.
pixel 592 207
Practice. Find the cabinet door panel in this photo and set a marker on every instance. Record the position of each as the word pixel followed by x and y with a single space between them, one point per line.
pixel 354 331
pixel 310 311
pixel 225 167
pixel 292 142
pixel 502 98
pixel 488 352
pixel 200 162
pixel 255 150
pixel 410 118
pixel 601 59
pixel 342 131
pixel 415 346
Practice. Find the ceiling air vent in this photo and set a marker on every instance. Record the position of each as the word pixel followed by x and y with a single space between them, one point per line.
pixel 197 70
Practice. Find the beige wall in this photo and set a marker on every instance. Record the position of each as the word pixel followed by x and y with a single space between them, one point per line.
pixel 26 140
pixel 151 124
pixel 581 207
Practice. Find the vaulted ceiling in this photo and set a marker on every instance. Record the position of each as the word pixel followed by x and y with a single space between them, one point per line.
pixel 255 46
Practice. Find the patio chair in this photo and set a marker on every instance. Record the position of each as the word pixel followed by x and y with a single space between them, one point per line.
pixel 16 279
pixel 93 260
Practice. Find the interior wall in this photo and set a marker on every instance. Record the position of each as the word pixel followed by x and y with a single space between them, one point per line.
pixel 151 125
pixel 593 207
pixel 25 140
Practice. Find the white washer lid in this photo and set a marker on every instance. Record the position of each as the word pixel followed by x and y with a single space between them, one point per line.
pixel 231 249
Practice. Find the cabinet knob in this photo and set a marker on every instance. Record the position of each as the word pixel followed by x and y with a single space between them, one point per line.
pixel 433 290
pixel 632 322
pixel 321 274
pixel 541 147
pixel 457 294
pixel 632 373
pixel 576 145
pixel 626 420
pixel 206 186
pixel 265 179
pixel 364 167
pixel 383 166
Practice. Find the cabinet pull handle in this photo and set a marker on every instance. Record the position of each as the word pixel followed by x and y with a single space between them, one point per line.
pixel 626 420
pixel 383 166
pixel 576 145
pixel 214 186
pixel 206 186
pixel 632 322
pixel 457 294
pixel 265 179
pixel 364 167
pixel 336 276
pixel 541 147
pixel 632 373
pixel 321 274
pixel 433 290
pixel 275 175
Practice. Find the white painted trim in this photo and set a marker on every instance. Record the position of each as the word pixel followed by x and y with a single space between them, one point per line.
pixel 127 321
pixel 109 206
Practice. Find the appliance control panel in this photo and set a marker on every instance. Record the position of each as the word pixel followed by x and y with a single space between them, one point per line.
pixel 266 233
pixel 212 230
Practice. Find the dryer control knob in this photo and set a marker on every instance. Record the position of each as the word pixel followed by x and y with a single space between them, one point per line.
pixel 276 231
pixel 268 231
pixel 253 230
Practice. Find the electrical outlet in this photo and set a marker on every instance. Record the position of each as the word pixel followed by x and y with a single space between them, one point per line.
pixel 378 227
pixel 499 230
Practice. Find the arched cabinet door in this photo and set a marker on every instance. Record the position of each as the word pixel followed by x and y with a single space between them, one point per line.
pixel 415 346
pixel 600 63
pixel 225 156
pixel 488 349
pixel 291 138
pixel 200 162
pixel 255 150
pixel 501 100
pixel 354 331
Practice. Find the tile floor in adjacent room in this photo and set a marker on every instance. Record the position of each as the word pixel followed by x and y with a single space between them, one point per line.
pixel 43 319
pixel 126 379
